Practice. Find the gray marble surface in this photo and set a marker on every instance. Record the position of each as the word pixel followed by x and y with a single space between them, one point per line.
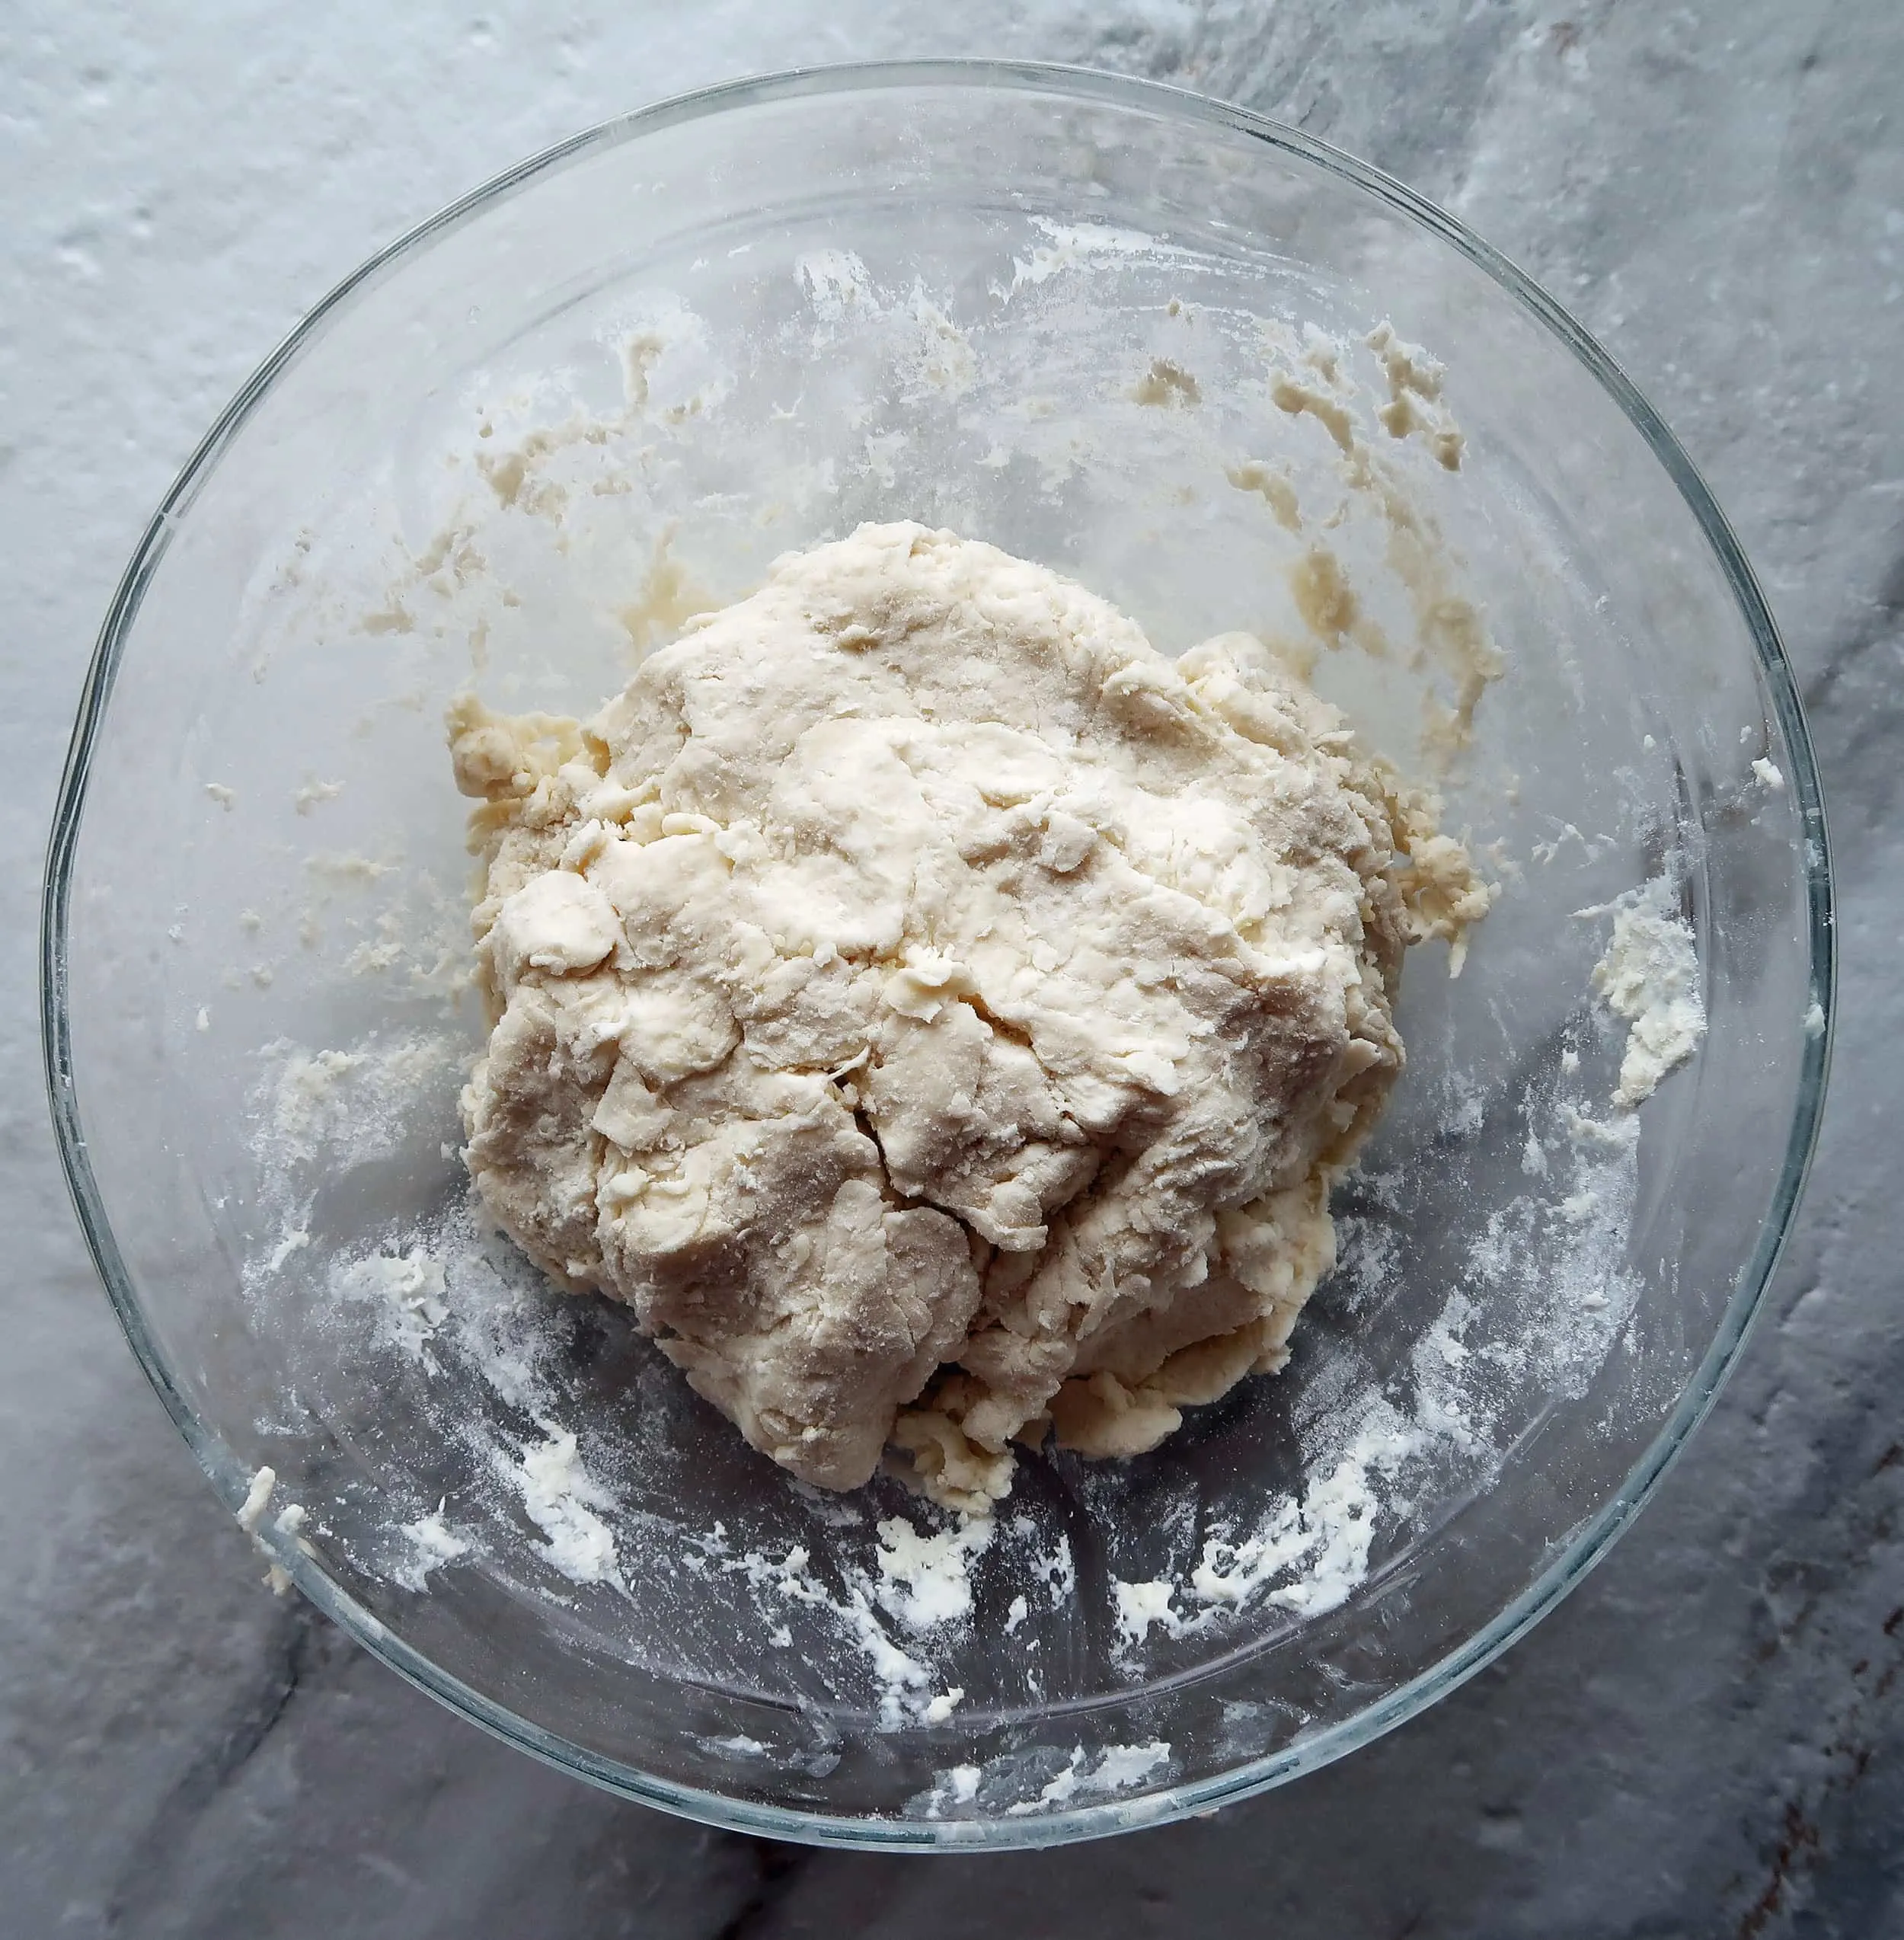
pixel 1708 1737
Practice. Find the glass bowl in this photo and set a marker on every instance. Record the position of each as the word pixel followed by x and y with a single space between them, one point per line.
pixel 1061 312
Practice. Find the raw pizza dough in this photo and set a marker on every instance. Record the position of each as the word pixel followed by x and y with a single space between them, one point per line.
pixel 937 1015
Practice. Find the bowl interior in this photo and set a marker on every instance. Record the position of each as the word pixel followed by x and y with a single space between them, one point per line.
pixel 516 455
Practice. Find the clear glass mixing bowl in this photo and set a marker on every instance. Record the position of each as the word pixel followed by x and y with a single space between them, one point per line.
pixel 514 450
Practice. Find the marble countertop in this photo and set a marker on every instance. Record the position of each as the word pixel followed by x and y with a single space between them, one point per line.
pixel 1708 1737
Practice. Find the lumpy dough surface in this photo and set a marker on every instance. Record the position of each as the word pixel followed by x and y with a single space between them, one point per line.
pixel 940 1017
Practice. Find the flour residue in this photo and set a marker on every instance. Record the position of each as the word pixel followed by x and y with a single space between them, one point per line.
pixel 360 1102
pixel 408 1289
pixel 927 1579
pixel 433 1544
pixel 1112 1770
pixel 563 1500
pixel 1320 1541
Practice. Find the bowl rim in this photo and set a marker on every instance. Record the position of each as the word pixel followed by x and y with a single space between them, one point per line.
pixel 1576 1552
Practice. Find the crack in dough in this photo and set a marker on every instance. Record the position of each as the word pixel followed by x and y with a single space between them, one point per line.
pixel 937 1015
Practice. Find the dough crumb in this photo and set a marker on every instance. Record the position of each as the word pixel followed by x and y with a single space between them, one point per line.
pixel 434 1544
pixel 1273 486
pixel 314 793
pixel 1140 1605
pixel 942 1707
pixel 1649 976
pixel 937 1015
pixel 1166 385
pixel 257 1499
pixel 1415 404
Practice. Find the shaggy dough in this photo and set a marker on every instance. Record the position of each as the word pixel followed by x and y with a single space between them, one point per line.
pixel 939 1016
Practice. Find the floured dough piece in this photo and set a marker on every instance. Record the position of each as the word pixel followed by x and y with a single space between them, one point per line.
pixel 937 1014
